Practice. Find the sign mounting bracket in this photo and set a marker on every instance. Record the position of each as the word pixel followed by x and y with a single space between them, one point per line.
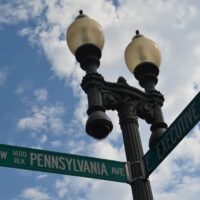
pixel 135 171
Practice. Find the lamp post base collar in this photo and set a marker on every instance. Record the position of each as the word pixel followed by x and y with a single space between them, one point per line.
pixel 87 54
pixel 146 73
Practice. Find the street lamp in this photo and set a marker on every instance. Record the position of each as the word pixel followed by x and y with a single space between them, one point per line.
pixel 85 40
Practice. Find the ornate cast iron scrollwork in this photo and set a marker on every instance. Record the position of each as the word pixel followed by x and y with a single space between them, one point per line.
pixel 145 111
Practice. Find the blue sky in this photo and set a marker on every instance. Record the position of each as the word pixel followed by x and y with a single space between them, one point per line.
pixel 42 105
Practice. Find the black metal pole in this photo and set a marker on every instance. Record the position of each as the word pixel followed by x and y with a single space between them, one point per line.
pixel 140 186
pixel 130 103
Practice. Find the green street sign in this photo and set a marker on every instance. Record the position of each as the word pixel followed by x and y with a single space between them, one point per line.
pixel 182 125
pixel 61 163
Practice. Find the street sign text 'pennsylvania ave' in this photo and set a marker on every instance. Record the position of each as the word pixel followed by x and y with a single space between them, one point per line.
pixel 61 163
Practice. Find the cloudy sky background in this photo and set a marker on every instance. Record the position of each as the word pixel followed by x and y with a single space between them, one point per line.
pixel 42 105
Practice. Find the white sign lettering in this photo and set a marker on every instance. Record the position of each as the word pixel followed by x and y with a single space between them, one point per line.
pixel 69 164
pixel 3 155
pixel 176 132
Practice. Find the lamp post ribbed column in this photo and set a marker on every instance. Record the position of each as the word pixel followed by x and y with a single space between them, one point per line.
pixel 140 186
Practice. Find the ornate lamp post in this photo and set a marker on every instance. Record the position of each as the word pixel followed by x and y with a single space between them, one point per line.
pixel 85 40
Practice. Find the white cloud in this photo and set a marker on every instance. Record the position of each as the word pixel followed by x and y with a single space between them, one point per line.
pixel 41 94
pixel 42 139
pixel 185 14
pixel 48 118
pixel 90 189
pixel 80 111
pixel 20 10
pixel 78 146
pixel 37 121
pixel 34 194
pixel 56 143
pixel 42 176
pixel 71 187
pixel 188 189
pixel 106 190
pixel 104 149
